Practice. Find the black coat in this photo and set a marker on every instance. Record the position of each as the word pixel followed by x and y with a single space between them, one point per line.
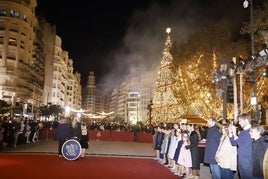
pixel 77 131
pixel 63 131
pixel 259 148
pixel 194 139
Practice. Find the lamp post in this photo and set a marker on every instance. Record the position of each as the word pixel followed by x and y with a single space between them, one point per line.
pixel 137 105
pixel 224 85
pixel 245 5
pixel 254 98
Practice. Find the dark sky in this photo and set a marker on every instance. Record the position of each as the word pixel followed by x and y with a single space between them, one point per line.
pixel 118 37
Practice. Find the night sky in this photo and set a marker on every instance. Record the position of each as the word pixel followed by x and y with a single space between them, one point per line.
pixel 114 38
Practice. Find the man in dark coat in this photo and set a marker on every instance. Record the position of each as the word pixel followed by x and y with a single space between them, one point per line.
pixel 63 133
pixel 259 147
pixel 244 143
pixel 136 130
pixel 212 143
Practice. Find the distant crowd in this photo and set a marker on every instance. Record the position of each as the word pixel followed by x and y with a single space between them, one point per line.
pixel 16 131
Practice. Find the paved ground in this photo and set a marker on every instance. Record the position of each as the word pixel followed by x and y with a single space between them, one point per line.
pixel 101 148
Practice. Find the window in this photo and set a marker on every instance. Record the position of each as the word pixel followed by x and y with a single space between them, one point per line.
pixel 14 13
pixel 22 44
pixel 12 41
pixel 25 18
pixel 1 39
pixel 3 12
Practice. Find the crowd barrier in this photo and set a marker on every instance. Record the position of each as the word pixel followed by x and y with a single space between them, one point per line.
pixel 106 135
pixel 121 136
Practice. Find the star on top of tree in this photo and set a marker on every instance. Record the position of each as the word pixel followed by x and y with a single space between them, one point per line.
pixel 168 30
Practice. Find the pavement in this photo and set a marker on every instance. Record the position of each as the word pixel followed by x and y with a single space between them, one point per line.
pixel 97 148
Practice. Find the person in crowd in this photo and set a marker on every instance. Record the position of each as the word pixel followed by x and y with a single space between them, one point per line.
pixel 183 127
pixel 8 132
pixel 195 137
pixel 27 131
pixel 154 135
pixel 84 142
pixel 16 122
pixel 185 158
pixel 259 147
pixel 33 125
pixel 158 142
pixel 135 130
pixel 76 129
pixel 172 147
pixel 175 168
pixel 228 164
pixel 21 132
pixel 265 165
pixel 39 128
pixel 63 133
pixel 212 143
pixel 244 143
pixel 164 146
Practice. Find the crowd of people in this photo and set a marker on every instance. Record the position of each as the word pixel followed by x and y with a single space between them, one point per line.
pixel 15 131
pixel 22 130
pixel 231 150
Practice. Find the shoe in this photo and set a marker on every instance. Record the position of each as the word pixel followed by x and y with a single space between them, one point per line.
pixel 174 170
pixel 190 176
pixel 60 156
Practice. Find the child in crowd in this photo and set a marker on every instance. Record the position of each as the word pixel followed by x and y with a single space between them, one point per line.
pixel 158 142
pixel 185 159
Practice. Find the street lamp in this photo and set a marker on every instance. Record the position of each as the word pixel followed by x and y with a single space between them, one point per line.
pixel 245 5
pixel 67 111
pixel 137 105
pixel 254 98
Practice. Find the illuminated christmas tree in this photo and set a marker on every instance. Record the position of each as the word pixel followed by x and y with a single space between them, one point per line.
pixel 184 84
pixel 166 106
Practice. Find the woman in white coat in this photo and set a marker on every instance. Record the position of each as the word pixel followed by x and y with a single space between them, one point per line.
pixel 226 155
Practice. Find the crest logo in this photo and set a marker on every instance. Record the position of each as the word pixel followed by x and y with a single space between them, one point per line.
pixel 71 149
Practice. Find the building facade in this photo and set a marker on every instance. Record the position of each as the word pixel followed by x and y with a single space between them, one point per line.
pixel 89 94
pixel 21 56
pixel 130 100
pixel 34 70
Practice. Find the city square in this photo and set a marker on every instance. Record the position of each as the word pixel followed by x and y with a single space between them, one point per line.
pixel 173 75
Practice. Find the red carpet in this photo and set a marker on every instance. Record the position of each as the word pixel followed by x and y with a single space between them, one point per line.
pixel 51 166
